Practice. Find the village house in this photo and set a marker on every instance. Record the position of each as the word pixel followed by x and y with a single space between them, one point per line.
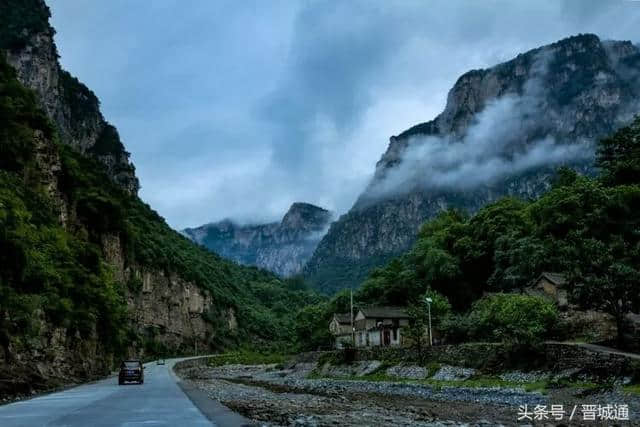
pixel 380 326
pixel 340 327
pixel 373 327
pixel 551 285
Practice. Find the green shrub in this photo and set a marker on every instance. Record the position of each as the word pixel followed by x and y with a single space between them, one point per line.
pixel 512 318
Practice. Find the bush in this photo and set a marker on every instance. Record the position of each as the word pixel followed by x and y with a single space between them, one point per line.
pixel 512 318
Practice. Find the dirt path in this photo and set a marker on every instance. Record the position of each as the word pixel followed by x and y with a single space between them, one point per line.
pixel 598 348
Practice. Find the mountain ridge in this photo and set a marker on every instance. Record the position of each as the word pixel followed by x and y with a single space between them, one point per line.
pixel 555 99
pixel 282 247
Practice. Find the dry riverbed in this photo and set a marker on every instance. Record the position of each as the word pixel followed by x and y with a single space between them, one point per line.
pixel 298 395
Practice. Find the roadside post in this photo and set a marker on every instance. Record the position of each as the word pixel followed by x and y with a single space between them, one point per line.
pixel 429 301
pixel 353 329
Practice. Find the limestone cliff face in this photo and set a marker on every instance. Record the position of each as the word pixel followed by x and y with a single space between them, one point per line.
pixel 71 106
pixel 164 306
pixel 561 96
pixel 282 247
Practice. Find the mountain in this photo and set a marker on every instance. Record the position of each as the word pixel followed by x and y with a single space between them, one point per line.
pixel 504 131
pixel 89 273
pixel 72 106
pixel 282 247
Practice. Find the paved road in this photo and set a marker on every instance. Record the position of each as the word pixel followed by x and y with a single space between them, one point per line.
pixel 599 349
pixel 158 402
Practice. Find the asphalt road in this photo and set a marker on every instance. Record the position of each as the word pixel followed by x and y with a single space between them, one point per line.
pixel 160 401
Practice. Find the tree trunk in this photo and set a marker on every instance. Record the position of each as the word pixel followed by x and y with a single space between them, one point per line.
pixel 620 330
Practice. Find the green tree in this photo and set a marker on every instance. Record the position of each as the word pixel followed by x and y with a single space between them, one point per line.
pixel 618 156
pixel 513 318
pixel 312 327
pixel 417 332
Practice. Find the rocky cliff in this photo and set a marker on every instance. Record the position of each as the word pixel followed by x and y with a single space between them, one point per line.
pixel 504 131
pixel 72 106
pixel 282 247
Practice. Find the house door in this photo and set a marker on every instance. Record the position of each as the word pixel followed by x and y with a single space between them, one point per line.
pixel 386 337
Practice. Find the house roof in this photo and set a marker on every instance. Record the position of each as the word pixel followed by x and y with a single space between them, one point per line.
pixel 385 312
pixel 555 278
pixel 342 318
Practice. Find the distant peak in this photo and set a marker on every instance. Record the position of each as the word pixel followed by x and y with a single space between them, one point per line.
pixel 305 207
pixel 306 215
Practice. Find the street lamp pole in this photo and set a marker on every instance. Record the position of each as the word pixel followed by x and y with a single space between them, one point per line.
pixel 353 330
pixel 429 301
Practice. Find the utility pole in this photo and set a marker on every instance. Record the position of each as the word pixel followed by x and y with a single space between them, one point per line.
pixel 429 301
pixel 353 330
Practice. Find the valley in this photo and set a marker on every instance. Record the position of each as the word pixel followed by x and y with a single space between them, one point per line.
pixel 487 267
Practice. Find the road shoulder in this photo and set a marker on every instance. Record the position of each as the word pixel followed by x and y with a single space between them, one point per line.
pixel 215 411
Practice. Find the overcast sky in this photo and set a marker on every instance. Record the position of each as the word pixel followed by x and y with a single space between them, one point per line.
pixel 236 109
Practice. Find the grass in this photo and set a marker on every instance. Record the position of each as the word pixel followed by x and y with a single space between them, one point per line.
pixel 632 389
pixel 247 358
pixel 432 368
pixel 541 386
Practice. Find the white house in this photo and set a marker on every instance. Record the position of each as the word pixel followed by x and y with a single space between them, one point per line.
pixel 380 326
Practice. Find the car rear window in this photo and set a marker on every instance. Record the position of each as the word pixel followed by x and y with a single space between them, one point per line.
pixel 131 365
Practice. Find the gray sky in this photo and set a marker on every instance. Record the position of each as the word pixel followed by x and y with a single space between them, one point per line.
pixel 239 108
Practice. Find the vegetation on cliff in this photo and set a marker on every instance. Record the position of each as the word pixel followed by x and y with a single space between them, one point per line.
pixel 43 268
pixel 20 20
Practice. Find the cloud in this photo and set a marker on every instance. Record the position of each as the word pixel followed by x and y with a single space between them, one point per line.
pixel 496 145
pixel 237 109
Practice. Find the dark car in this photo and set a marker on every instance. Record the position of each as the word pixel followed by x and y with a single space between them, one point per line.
pixel 131 370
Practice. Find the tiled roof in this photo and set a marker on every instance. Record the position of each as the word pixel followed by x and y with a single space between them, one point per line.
pixel 343 318
pixel 555 278
pixel 385 312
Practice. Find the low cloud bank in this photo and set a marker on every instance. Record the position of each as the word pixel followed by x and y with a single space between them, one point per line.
pixel 504 140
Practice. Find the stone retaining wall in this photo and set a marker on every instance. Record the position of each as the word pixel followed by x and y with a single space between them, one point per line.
pixel 494 358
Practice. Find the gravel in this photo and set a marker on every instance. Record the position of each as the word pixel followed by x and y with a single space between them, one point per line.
pixel 493 395
pixel 286 397
pixel 355 369
pixel 408 372
pixel 453 373
pixel 524 377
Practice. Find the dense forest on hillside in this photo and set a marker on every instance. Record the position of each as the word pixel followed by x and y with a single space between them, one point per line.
pixel 585 228
pixel 56 273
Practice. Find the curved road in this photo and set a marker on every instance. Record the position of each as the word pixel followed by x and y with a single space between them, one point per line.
pixel 158 402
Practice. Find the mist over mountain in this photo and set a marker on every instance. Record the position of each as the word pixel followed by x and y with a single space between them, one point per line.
pixel 282 247
pixel 504 131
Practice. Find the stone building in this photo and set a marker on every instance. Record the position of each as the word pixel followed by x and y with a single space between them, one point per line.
pixel 551 285
pixel 380 326
pixel 340 327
